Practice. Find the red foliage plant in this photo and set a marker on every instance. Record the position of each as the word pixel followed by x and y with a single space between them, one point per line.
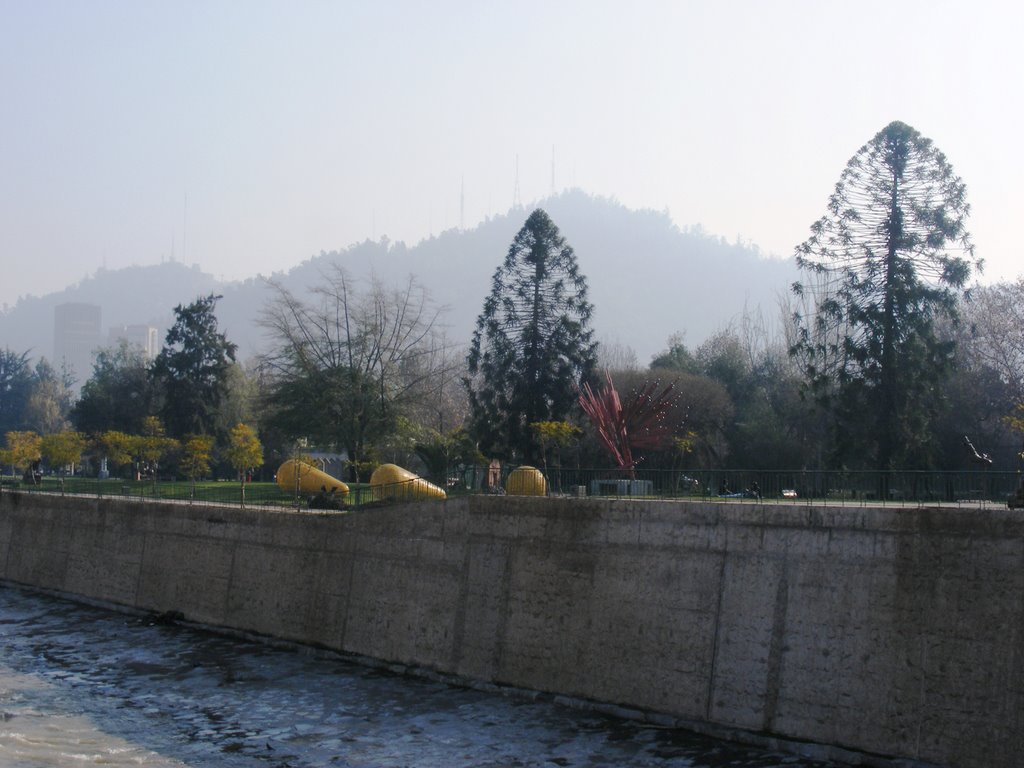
pixel 640 423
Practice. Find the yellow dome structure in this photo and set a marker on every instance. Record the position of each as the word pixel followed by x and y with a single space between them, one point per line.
pixel 309 480
pixel 391 481
pixel 526 481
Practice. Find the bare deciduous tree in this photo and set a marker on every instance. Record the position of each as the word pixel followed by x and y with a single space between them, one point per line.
pixel 995 316
pixel 347 363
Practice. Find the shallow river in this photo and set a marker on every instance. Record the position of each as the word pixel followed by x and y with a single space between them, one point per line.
pixel 84 686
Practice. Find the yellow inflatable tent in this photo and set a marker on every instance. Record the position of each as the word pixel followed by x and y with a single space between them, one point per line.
pixel 526 481
pixel 310 479
pixel 393 482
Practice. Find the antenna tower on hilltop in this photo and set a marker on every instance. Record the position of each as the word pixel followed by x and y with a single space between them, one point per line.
pixel 516 203
pixel 184 229
pixel 552 170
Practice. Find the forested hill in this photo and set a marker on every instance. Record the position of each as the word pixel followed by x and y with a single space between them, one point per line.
pixel 648 279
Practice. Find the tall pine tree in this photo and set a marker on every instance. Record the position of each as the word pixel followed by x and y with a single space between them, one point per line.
pixel 532 344
pixel 883 268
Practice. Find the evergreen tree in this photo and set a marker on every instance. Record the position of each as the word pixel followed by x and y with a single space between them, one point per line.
pixel 887 261
pixel 119 395
pixel 192 368
pixel 532 345
pixel 15 389
pixel 676 357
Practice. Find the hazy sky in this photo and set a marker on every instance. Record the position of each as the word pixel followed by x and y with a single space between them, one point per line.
pixel 296 127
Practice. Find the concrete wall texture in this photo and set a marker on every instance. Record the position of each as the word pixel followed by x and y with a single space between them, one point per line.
pixel 889 632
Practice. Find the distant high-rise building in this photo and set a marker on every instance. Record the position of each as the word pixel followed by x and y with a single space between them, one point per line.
pixel 76 337
pixel 143 337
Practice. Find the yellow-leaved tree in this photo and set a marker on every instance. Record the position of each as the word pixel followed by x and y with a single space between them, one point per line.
pixel 244 452
pixel 553 436
pixel 63 449
pixel 151 447
pixel 117 448
pixel 23 451
pixel 196 452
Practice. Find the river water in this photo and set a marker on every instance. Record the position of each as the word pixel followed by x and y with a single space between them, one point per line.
pixel 83 686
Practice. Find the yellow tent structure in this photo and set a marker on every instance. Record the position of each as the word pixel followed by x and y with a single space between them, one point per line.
pixel 391 481
pixel 305 478
pixel 526 481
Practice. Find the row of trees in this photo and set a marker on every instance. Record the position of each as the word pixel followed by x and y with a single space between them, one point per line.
pixel 23 450
pixel 194 385
pixel 878 358
pixel 142 453
pixel 32 397
pixel 363 370
pixel 134 412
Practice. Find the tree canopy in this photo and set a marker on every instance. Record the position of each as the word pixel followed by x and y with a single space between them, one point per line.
pixel 192 368
pixel 532 345
pixel 196 454
pixel 676 357
pixel 22 450
pixel 119 395
pixel 50 402
pixel 887 262
pixel 151 447
pixel 15 389
pixel 244 451
pixel 996 317
pixel 348 362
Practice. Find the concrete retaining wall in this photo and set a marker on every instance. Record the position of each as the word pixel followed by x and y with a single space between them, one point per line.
pixel 892 632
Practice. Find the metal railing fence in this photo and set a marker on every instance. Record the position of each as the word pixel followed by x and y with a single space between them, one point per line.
pixel 897 488
pixel 859 487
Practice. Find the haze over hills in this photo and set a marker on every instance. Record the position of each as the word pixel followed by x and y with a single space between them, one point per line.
pixel 648 279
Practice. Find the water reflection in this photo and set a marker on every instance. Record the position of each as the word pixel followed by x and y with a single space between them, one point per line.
pixel 80 685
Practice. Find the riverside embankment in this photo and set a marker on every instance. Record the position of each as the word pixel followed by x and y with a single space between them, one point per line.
pixel 886 632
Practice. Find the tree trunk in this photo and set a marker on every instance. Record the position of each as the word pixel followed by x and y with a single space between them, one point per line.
pixel 887 416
